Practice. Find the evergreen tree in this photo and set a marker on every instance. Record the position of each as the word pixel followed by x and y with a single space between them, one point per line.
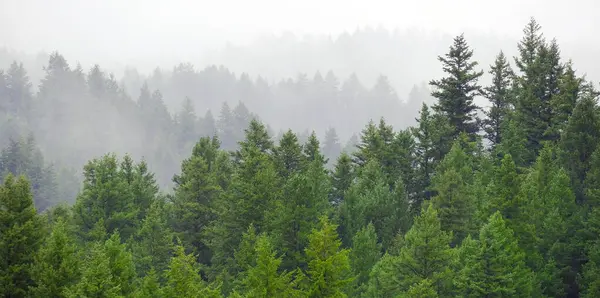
pixel 497 268
pixel 196 190
pixel 183 278
pixel 21 234
pixel 291 219
pixel 56 266
pixel 149 286
pixel 431 146
pixel 426 254
pixel 121 266
pixel 106 196
pixel 254 186
pixel 499 95
pixel 288 155
pixel 370 200
pixel 263 279
pixel 96 277
pixel 579 141
pixel 312 150
pixel 152 250
pixel 328 264
pixel 364 254
pixel 455 92
pixel 454 200
pixel 540 68
pixel 341 178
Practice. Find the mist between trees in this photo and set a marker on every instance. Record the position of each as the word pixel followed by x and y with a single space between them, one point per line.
pixel 460 201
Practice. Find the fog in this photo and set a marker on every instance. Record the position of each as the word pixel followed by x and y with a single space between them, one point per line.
pixel 279 61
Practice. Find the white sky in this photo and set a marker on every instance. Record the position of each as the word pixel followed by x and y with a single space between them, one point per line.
pixel 133 29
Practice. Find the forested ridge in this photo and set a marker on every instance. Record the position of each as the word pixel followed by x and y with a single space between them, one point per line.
pixel 467 202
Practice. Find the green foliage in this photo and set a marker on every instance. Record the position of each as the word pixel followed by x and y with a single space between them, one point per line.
pixel 106 196
pixel 328 263
pixel 288 155
pixel 342 177
pixel 21 234
pixel 426 254
pixel 454 200
pixel 196 190
pixel 154 241
pixel 263 279
pixel 304 201
pixel 57 264
pixel 420 212
pixel 433 142
pixel 96 277
pixel 183 278
pixel 370 200
pixel 365 253
pixel 455 93
pixel 499 95
pixel 495 266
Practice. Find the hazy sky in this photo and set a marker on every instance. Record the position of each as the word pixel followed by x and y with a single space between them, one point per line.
pixel 122 30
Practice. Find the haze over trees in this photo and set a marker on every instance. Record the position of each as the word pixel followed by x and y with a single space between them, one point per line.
pixel 464 201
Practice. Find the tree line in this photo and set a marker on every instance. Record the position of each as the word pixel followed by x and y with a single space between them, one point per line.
pixel 505 205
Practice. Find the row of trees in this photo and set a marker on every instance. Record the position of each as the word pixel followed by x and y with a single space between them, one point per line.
pixel 93 113
pixel 427 211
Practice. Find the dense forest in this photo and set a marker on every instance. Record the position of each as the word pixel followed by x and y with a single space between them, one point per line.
pixel 462 201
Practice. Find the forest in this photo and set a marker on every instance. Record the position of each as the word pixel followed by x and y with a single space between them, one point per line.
pixel 459 201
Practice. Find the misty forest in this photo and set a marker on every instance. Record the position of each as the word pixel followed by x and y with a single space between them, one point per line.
pixel 483 182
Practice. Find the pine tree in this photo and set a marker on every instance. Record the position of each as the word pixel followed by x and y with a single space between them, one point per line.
pixel 538 83
pixel 21 234
pixel 263 279
pixel 96 277
pixel 149 286
pixel 547 214
pixel 106 195
pixel 454 201
pixel 384 279
pixel 365 253
pixel 499 95
pixel 56 266
pixel 341 178
pixel 183 278
pixel 121 264
pixel 502 193
pixel 152 250
pixel 370 200
pixel 579 141
pixel 455 92
pixel 288 155
pixel 497 268
pixel 431 146
pixel 291 219
pixel 424 289
pixel 312 150
pixel 254 186
pixel 328 264
pixel 426 254
pixel 196 190
pixel 563 104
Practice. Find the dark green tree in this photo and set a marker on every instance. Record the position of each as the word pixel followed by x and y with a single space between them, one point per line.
pixel 499 95
pixel 496 268
pixel 455 92
pixel 21 234
pixel 426 254
pixel 365 253
pixel 57 265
